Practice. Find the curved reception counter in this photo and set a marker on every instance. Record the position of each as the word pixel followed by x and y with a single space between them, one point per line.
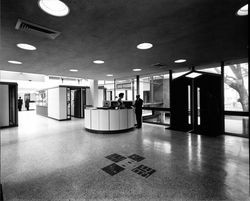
pixel 109 120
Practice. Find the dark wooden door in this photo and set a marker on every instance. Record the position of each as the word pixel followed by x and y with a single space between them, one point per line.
pixel 208 106
pixel 78 102
pixel 180 100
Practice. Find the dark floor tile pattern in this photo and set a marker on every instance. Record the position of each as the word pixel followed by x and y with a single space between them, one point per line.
pixel 127 162
pixel 113 169
pixel 136 157
pixel 144 171
pixel 115 157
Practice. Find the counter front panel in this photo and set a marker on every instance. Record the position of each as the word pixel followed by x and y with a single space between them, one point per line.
pixel 101 120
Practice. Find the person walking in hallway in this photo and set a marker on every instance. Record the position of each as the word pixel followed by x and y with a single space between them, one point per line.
pixel 138 110
pixel 27 103
pixel 20 103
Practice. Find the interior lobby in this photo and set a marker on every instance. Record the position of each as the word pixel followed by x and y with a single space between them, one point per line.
pixel 70 75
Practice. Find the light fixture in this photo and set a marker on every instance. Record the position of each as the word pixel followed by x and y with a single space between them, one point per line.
pixel 193 75
pixel 144 46
pixel 15 62
pixel 54 7
pixel 98 62
pixel 243 11
pixel 109 75
pixel 136 69
pixel 73 70
pixel 180 61
pixel 26 46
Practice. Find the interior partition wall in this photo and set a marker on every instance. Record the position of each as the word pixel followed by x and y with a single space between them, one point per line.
pixel 8 104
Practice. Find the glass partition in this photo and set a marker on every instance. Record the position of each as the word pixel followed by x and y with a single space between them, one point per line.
pixel 109 86
pixel 154 90
pixel 125 86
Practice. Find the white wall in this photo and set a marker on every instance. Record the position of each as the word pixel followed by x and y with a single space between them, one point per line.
pixel 57 103
pixel 4 105
pixel 90 98
pixel 63 103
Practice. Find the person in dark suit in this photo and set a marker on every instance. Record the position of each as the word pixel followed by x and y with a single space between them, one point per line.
pixel 138 110
pixel 20 103
pixel 27 103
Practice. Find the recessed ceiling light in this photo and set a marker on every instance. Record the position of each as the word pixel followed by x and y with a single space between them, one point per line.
pixel 144 46
pixel 193 75
pixel 54 7
pixel 26 46
pixel 180 60
pixel 98 62
pixel 73 70
pixel 109 75
pixel 243 11
pixel 136 69
pixel 15 62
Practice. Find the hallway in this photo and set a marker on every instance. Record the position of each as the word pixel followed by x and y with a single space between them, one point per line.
pixel 45 159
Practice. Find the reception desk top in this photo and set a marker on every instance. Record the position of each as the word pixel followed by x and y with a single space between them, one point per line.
pixel 104 120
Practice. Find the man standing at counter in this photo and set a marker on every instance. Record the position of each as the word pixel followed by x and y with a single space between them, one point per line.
pixel 138 110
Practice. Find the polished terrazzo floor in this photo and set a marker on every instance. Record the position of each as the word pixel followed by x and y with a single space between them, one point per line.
pixel 44 159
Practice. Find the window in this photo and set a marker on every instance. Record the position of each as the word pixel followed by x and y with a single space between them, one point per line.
pixel 125 86
pixel 236 87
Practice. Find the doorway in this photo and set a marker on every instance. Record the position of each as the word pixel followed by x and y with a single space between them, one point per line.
pixel 78 102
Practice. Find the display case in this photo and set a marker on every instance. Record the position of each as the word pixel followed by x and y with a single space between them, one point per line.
pixel 42 98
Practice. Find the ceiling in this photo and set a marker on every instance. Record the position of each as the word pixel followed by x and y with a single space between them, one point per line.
pixel 202 32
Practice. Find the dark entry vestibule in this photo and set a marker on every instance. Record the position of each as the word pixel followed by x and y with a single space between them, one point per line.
pixel 197 104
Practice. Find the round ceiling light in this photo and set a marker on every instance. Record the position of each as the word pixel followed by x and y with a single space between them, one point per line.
pixel 54 7
pixel 73 70
pixel 180 61
pixel 136 69
pixel 109 75
pixel 26 46
pixel 144 46
pixel 98 62
pixel 243 11
pixel 15 62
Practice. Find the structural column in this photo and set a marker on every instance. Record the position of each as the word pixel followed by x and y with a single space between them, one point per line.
pixel 94 92
pixel 222 95
pixel 137 84
pixel 151 89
